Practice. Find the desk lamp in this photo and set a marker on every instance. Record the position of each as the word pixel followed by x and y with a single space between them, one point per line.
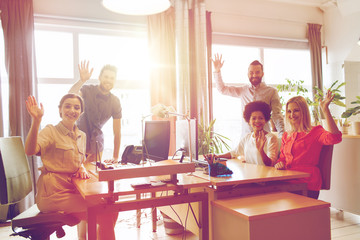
pixel 162 111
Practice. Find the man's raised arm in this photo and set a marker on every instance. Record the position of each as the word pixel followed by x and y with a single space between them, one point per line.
pixel 85 75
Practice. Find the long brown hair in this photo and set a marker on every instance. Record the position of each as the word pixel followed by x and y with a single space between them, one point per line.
pixel 72 95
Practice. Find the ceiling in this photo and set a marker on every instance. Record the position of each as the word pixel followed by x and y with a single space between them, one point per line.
pixel 67 7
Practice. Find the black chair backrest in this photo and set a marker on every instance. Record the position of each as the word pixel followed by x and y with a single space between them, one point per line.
pixel 15 176
pixel 324 165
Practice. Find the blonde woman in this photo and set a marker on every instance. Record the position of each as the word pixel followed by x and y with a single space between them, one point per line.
pixel 302 143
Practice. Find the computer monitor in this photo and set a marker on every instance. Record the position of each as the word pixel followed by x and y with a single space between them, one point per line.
pixel 182 137
pixel 156 140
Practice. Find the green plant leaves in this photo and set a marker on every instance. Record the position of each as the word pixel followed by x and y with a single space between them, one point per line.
pixel 209 141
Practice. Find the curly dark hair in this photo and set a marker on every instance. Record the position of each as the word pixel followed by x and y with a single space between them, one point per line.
pixel 257 106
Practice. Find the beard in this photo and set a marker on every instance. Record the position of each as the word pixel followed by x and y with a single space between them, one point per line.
pixel 105 87
pixel 255 81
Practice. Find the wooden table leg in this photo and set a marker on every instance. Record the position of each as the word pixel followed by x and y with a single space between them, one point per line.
pixel 204 218
pixel 138 212
pixel 154 214
pixel 91 219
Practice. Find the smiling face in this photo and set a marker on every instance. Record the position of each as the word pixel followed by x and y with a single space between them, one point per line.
pixel 107 80
pixel 293 115
pixel 70 110
pixel 257 121
pixel 255 74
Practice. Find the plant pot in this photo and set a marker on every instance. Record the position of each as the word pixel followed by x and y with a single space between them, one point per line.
pixel 356 127
pixel 171 226
pixel 344 129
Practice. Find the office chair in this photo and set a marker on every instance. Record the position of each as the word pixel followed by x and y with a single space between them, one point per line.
pixel 15 185
pixel 324 165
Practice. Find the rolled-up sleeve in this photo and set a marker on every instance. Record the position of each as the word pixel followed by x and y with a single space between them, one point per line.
pixel 232 91
pixel 276 113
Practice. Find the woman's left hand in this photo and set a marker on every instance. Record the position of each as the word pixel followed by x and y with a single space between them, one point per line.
pixel 82 173
pixel 260 140
pixel 324 103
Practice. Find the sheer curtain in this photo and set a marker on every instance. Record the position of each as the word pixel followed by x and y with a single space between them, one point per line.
pixel 314 36
pixel 161 37
pixel 1 111
pixel 179 45
pixel 192 27
pixel 18 26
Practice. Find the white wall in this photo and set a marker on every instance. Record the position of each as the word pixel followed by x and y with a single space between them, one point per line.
pixel 262 18
pixel 342 31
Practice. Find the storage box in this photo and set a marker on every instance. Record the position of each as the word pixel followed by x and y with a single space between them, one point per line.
pixel 280 216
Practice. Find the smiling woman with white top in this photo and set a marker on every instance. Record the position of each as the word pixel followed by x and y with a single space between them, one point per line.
pixel 258 147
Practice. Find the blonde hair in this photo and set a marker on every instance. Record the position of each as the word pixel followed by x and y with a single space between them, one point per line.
pixel 305 119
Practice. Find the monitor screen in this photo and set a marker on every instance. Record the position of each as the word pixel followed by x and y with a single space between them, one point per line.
pixel 182 137
pixel 156 140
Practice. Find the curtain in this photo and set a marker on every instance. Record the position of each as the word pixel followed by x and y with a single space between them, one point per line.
pixel 314 36
pixel 178 41
pixel 161 37
pixel 191 37
pixel 18 26
pixel 1 112
pixel 209 63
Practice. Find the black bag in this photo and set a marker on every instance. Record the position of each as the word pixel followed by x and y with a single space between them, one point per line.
pixel 132 154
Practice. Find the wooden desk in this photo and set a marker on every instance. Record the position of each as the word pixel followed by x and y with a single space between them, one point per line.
pixel 247 179
pixel 97 192
pixel 252 179
pixel 250 173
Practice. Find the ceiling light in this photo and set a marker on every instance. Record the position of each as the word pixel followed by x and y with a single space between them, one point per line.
pixel 358 42
pixel 136 7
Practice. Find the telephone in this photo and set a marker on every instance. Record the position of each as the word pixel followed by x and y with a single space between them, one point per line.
pixel 132 154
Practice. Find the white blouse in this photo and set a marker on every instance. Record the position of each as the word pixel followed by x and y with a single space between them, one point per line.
pixel 247 149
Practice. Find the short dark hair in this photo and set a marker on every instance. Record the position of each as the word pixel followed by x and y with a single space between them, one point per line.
pixel 108 67
pixel 257 106
pixel 256 62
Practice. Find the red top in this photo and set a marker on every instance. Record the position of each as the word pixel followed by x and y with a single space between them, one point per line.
pixel 300 151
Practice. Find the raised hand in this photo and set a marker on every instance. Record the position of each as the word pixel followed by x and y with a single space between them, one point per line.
pixel 260 140
pixel 85 74
pixel 218 63
pixel 324 103
pixel 33 109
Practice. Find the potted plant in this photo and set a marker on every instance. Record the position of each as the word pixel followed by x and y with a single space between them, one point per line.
pixel 353 111
pixel 295 88
pixel 344 125
pixel 210 141
pixel 319 95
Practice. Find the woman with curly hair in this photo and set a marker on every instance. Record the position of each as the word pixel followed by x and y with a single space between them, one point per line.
pixel 258 147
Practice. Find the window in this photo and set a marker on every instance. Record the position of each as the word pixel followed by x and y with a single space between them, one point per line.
pixel 59 49
pixel 292 62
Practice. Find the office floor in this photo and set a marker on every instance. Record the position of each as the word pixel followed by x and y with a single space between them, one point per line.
pixel 344 226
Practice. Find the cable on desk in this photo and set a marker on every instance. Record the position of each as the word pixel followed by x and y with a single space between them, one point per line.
pixel 182 155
